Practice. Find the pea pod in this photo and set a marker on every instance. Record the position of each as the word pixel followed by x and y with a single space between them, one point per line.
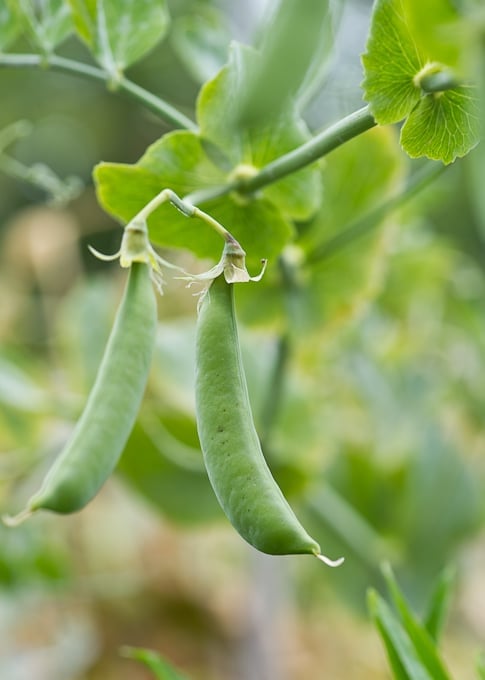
pixel 237 470
pixel 101 433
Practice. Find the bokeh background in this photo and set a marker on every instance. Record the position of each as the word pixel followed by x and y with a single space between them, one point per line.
pixel 380 442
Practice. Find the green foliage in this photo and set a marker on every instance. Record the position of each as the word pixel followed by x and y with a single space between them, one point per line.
pixel 9 26
pixel 439 125
pixel 411 651
pixel 161 669
pixel 47 24
pixel 120 32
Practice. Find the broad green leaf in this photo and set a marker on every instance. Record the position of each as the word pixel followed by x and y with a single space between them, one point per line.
pixel 292 35
pixel 120 32
pixel 9 26
pixel 438 604
pixel 390 63
pixel 423 643
pixel 47 23
pixel 161 669
pixel 443 126
pixel 481 666
pixel 400 651
pixel 201 40
pixel 249 148
pixel 179 161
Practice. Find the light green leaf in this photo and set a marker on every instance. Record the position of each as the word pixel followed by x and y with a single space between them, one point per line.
pixel 9 26
pixel 249 148
pixel 179 161
pixel 161 669
pixel 201 41
pixel 400 651
pixel 443 126
pixel 390 64
pixel 48 23
pixel 435 28
pixel 120 32
pixel 423 643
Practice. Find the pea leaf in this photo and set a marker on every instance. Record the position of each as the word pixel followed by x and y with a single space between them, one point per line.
pixel 390 64
pixel 161 669
pixel 179 161
pixel 120 32
pixel 441 126
pixel 48 23
pixel 248 146
pixel 438 604
pixel 9 26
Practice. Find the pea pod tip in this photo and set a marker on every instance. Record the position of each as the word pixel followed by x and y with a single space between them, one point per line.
pixel 15 520
pixel 330 563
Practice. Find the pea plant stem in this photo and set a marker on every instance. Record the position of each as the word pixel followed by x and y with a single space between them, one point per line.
pixel 155 104
pixel 320 145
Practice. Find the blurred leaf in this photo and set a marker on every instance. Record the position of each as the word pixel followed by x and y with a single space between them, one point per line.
pixel 438 604
pixel 201 41
pixel 17 389
pixel 161 669
pixel 120 32
pixel 47 23
pixel 334 291
pixel 402 656
pixel 481 666
pixel 423 643
pixel 442 125
pixel 292 34
pixel 151 464
pixel 9 26
pixel 251 147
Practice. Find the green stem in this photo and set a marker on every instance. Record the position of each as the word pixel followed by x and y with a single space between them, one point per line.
pixel 156 104
pixel 274 396
pixel 329 139
pixel 372 219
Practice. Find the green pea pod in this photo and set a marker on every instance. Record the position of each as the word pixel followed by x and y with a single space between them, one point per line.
pixel 237 470
pixel 101 433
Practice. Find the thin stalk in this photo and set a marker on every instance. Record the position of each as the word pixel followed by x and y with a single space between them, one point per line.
pixel 160 107
pixel 372 219
pixel 329 139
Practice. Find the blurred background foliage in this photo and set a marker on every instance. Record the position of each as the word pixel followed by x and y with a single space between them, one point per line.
pixel 377 437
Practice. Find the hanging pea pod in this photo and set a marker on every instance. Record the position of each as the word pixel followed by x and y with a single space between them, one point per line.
pixel 100 435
